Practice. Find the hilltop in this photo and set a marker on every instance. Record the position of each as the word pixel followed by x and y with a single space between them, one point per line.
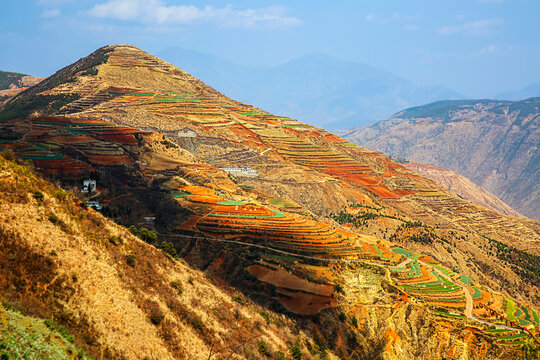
pixel 316 88
pixel 364 255
pixel 494 143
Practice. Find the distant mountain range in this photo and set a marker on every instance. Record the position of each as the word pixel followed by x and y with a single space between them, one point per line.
pixel 317 89
pixel 12 83
pixel 492 142
pixel 527 92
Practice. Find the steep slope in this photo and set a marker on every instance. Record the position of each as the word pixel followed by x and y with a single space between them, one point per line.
pixel 316 88
pixel 493 143
pixel 292 216
pixel 12 83
pixel 462 186
pixel 119 297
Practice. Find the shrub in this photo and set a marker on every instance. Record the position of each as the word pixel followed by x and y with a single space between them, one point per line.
pixel 263 347
pixel 279 355
pixel 50 324
pixel 342 317
pixel 130 260
pixel 355 321
pixel 177 285
pixel 197 323
pixel 239 299
pixel 168 248
pixel 296 353
pixel 266 317
pixel 54 219
pixel 143 233
pixel 4 356
pixel 38 195
pixel 156 314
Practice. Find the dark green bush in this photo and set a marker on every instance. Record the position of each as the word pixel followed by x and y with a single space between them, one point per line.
pixel 130 260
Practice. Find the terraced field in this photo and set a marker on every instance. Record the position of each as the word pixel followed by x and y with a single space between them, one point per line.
pixel 259 224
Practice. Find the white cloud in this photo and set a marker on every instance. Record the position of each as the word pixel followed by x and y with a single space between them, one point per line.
pixel 411 27
pixel 50 13
pixel 488 49
pixel 385 19
pixel 484 27
pixel 159 13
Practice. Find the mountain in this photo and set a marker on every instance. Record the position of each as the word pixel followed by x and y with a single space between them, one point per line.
pixel 12 83
pixel 358 256
pixel 316 89
pixel 527 92
pixel 493 143
pixel 461 186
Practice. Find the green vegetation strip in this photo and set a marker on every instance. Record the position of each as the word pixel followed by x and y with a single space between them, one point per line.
pixel 232 202
pixel 43 157
pixel 476 293
pixel 447 314
pixel 277 214
pixel 510 309
pixel 405 252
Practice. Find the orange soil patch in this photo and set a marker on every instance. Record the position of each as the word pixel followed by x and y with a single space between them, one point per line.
pixel 448 304
pixel 208 199
pixel 304 304
pixel 382 191
pixel 283 279
pixel 197 190
pixel 72 139
pixel 403 192
pixel 363 180
pixel 320 271
pixel 65 166
pixel 427 259
pixel 484 299
pixel 190 223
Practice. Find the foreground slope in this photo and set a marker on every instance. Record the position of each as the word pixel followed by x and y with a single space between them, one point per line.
pixel 119 297
pixel 307 233
pixel 493 143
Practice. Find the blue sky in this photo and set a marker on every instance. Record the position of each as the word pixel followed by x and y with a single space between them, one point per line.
pixel 476 47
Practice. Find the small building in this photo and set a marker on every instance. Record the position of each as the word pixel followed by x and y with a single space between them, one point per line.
pixel 187 133
pixel 89 185
pixel 243 171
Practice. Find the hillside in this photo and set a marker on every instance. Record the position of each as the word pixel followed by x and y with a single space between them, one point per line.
pixel 364 255
pixel 461 186
pixel 12 83
pixel 493 143
pixel 317 89
pixel 74 283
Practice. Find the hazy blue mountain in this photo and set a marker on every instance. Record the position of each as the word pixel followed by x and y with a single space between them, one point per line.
pixel 316 88
pixel 530 91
